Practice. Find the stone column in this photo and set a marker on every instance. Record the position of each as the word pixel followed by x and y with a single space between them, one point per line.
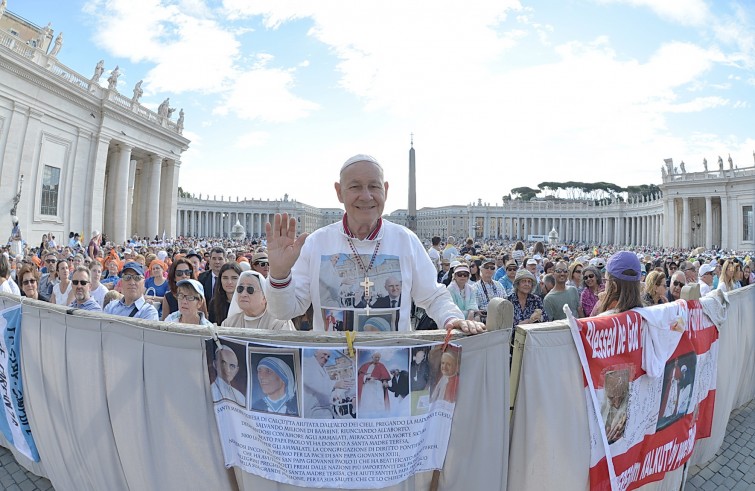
pixel 120 211
pixel 154 165
pixel 169 197
pixel 686 224
pixel 724 222
pixel 94 201
pixel 708 222
pixel 130 200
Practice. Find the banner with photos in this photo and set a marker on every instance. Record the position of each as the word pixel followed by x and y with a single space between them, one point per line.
pixel 317 417
pixel 650 384
pixel 14 423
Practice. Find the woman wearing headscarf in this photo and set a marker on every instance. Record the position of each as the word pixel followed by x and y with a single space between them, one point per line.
pixel 278 386
pixel 249 306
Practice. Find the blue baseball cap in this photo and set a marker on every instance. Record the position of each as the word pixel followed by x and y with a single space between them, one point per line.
pixel 134 266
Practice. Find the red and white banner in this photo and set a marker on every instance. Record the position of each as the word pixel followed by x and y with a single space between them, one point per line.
pixel 650 384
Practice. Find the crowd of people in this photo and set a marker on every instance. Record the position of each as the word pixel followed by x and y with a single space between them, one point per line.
pixel 279 282
pixel 225 282
pixel 539 280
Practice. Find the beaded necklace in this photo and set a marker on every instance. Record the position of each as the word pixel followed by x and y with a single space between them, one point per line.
pixel 366 284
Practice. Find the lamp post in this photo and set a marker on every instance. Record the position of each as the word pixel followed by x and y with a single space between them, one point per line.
pixel 17 197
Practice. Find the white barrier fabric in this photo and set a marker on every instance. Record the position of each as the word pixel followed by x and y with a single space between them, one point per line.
pixel 735 382
pixel 550 447
pixel 119 407
pixel 115 406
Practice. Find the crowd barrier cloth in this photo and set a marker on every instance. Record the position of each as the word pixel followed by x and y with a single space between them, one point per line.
pixel 550 447
pixel 118 403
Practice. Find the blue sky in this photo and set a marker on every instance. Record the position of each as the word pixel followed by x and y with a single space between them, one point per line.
pixel 498 94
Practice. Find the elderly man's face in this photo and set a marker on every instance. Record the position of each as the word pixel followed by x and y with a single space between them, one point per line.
pixel 393 287
pixel 322 357
pixel 227 365
pixel 363 193
pixel 376 357
pixel 448 364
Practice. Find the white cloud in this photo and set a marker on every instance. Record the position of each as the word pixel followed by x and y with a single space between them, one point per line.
pixel 191 52
pixel 699 104
pixel 685 12
pixel 264 94
pixel 252 139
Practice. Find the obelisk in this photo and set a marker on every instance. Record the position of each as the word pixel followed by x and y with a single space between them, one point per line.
pixel 411 219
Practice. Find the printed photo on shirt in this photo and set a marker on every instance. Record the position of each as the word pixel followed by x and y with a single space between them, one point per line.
pixel 678 381
pixel 328 384
pixel 350 282
pixel 383 383
pixel 227 371
pixel 444 373
pixel 274 381
pixel 613 408
pixel 335 319
pixel 375 321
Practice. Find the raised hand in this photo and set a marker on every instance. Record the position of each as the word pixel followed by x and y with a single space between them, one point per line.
pixel 283 246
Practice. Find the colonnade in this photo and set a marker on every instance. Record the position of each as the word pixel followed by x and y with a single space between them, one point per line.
pixel 632 230
pixel 140 193
pixel 203 223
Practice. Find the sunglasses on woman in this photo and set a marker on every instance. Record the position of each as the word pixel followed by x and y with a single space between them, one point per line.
pixel 589 276
pixel 249 289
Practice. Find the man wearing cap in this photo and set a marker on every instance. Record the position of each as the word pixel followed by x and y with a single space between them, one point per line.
pixel 373 247
pixel 210 277
pixel 260 264
pixel 133 303
pixel 706 279
pixel 82 297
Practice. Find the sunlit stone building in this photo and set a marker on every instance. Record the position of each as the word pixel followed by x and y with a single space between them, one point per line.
pixel 77 156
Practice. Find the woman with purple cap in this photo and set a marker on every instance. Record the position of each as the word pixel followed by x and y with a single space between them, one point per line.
pixel 623 287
